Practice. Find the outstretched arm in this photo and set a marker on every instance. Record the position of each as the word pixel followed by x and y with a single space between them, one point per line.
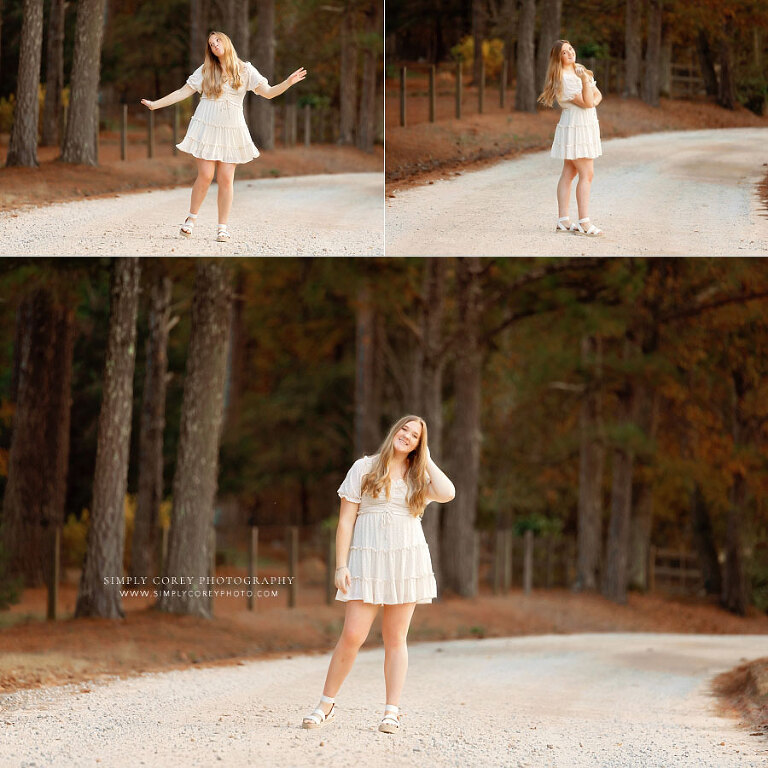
pixel 440 488
pixel 270 91
pixel 183 93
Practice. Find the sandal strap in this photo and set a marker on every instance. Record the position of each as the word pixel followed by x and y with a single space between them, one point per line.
pixel 327 699
pixel 391 708
pixel 564 218
pixel 390 719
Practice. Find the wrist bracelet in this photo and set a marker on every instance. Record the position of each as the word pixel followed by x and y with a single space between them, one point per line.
pixel 341 567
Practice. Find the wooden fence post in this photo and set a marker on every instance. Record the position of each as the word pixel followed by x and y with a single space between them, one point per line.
pixel 432 95
pixel 53 574
pixel 481 89
pixel 528 562
pixel 151 134
pixel 293 563
pixel 124 134
pixel 212 551
pixel 498 560
pixel 307 124
pixel 253 563
pixel 507 579
pixel 458 89
pixel 651 568
pixel 176 110
pixel 330 571
pixel 503 84
pixel 402 97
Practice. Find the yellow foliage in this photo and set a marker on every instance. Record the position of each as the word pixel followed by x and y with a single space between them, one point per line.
pixel 493 54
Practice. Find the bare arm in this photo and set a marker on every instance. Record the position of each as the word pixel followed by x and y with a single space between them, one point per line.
pixel 347 516
pixel 587 97
pixel 182 93
pixel 440 488
pixel 270 91
pixel 598 95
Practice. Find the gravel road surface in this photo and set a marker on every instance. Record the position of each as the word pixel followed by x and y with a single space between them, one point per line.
pixel 608 700
pixel 324 215
pixel 682 193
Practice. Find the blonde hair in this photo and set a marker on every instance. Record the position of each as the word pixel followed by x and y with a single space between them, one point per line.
pixel 553 82
pixel 415 472
pixel 216 70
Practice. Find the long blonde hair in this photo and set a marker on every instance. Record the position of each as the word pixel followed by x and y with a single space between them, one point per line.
pixel 415 472
pixel 553 82
pixel 216 70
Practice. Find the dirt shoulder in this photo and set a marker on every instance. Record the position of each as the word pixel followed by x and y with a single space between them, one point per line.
pixel 744 691
pixel 36 653
pixel 57 182
pixel 423 152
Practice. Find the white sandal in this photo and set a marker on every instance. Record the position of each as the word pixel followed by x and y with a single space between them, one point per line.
pixel 562 227
pixel 390 723
pixel 318 718
pixel 188 225
pixel 223 235
pixel 591 231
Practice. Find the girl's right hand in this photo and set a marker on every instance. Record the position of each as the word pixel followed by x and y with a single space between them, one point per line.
pixel 343 581
pixel 147 103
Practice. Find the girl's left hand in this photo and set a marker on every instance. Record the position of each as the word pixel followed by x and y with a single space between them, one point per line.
pixel 147 103
pixel 297 76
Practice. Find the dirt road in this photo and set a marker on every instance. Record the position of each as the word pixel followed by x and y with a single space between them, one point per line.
pixel 613 700
pixel 327 215
pixel 678 193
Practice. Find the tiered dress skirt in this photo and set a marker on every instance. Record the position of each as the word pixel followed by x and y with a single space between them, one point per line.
pixel 577 134
pixel 389 561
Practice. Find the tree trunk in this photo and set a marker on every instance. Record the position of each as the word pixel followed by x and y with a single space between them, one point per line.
pixel 197 28
pixel 106 532
pixel 735 594
pixel 194 486
pixel 432 393
pixel 633 39
pixel 262 110
pixel 83 116
pixel 652 75
pixel 707 64
pixel 727 91
pixel 54 76
pixel 367 405
pixel 525 90
pixel 348 77
pixel 366 124
pixel 238 20
pixel 39 453
pixel 614 585
pixel 704 543
pixel 551 23
pixel 459 554
pixel 150 492
pixel 478 34
pixel 22 148
pixel 591 467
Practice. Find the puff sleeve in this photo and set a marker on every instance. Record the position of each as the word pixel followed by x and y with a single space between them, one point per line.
pixel 350 488
pixel 254 79
pixel 571 86
pixel 195 80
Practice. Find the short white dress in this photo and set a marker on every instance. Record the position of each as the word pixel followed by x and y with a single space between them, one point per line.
pixel 389 560
pixel 578 132
pixel 217 130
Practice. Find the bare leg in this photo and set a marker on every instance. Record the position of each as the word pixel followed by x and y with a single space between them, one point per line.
pixel 357 623
pixel 564 187
pixel 395 621
pixel 586 169
pixel 225 177
pixel 205 169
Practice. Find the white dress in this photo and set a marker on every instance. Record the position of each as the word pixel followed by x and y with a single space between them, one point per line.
pixel 217 130
pixel 389 560
pixel 578 132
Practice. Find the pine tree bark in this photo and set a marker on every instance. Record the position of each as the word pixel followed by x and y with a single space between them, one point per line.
pixel 367 402
pixel 633 48
pixel 150 491
pixel 478 33
pixel 704 542
pixel 652 74
pixel 727 90
pixel 38 457
pixel 80 139
pixel 551 23
pixel 238 20
pixel 459 551
pixel 22 148
pixel 707 64
pixel 366 124
pixel 202 411
pixel 589 536
pixel 348 76
pixel 106 533
pixel 54 77
pixel 525 90
pixel 262 110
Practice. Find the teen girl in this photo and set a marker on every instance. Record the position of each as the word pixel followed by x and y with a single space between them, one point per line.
pixel 383 559
pixel 218 137
pixel 577 136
